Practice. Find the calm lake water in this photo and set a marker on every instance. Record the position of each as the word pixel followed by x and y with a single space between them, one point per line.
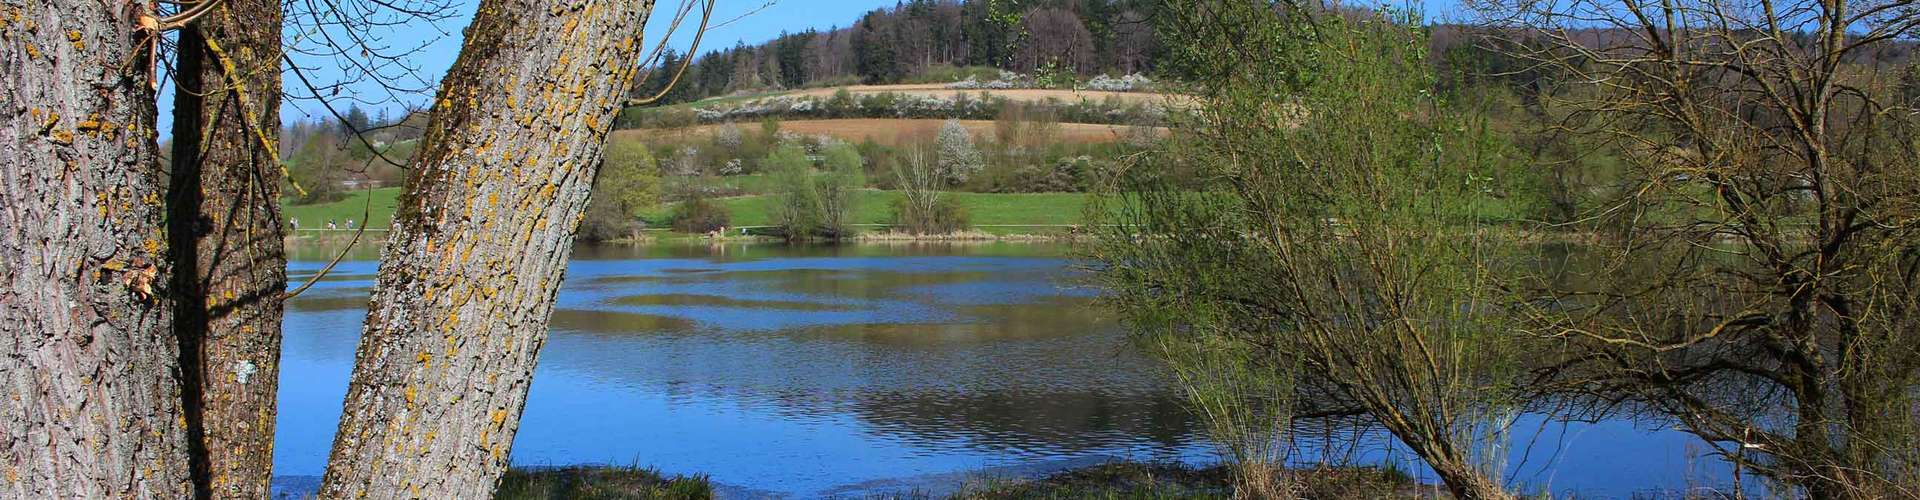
pixel 821 371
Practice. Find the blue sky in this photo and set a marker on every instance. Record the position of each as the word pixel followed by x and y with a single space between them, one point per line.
pixel 746 21
pixel 751 21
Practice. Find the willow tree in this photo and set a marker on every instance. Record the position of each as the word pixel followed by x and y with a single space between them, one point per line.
pixel 93 408
pixel 1332 257
pixel 479 245
pixel 1758 281
pixel 224 230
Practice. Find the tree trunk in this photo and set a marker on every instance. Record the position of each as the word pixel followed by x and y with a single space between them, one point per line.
pixel 1427 437
pixel 479 246
pixel 225 232
pixel 92 403
pixel 1466 482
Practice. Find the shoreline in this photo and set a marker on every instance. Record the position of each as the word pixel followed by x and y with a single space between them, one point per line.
pixel 338 236
pixel 1088 477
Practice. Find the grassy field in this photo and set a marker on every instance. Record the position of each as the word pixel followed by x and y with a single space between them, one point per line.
pixel 993 213
pixel 749 183
pixel 889 132
pixel 875 207
pixel 352 207
pixel 871 207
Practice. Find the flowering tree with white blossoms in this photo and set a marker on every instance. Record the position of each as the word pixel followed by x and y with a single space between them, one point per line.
pixel 959 159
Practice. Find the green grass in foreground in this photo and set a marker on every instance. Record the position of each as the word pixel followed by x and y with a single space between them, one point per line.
pixel 598 482
pixel 1137 480
pixel 1119 480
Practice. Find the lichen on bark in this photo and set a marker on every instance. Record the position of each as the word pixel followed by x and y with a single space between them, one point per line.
pixel 479 246
pixel 92 407
pixel 227 241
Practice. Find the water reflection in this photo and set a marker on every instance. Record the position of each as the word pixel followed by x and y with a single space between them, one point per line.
pixel 795 370
pixel 806 370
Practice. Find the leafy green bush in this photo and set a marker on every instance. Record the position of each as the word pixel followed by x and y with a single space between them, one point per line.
pixel 318 168
pixel 607 221
pixel 1339 184
pixel 697 215
pixel 770 129
pixel 628 180
pixel 814 205
pixel 922 208
pixel 628 176
pixel 842 105
pixel 943 216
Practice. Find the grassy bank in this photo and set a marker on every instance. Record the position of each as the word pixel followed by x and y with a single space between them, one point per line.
pixel 353 206
pixel 1174 481
pixel 871 207
pixel 1120 480
pixel 585 482
pixel 995 214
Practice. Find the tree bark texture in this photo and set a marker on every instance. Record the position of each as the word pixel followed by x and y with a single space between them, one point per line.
pixel 479 246
pixel 92 401
pixel 228 253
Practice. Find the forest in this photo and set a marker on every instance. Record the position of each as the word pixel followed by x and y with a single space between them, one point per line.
pixel 932 40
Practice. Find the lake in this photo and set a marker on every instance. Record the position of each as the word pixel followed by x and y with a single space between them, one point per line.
pixel 858 370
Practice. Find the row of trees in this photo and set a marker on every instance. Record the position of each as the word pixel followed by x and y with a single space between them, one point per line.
pixel 141 308
pixel 821 204
pixel 890 44
pixel 1751 277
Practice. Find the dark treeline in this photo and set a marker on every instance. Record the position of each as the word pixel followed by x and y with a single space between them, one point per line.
pixel 918 37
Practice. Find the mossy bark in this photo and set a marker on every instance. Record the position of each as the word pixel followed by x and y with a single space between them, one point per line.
pixel 479 246
pixel 225 232
pixel 92 402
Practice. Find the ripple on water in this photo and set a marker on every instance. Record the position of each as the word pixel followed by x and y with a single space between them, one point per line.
pixel 802 371
pixel 682 299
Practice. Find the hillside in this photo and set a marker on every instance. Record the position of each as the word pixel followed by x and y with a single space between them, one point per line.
pixel 942 90
pixel 903 43
pixel 886 132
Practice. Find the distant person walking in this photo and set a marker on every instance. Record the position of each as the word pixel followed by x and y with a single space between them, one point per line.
pixel 349 223
pixel 296 223
pixel 331 225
